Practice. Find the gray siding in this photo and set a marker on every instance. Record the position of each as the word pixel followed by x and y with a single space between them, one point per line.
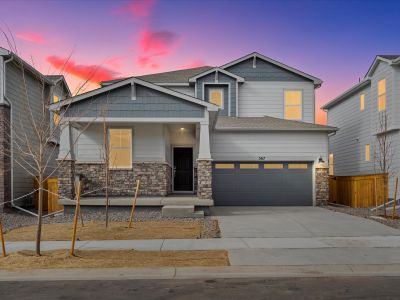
pixel 355 131
pixel 357 128
pixel 148 143
pixel 149 103
pixel 263 98
pixel 23 122
pixel 209 81
pixel 275 146
pixel 264 71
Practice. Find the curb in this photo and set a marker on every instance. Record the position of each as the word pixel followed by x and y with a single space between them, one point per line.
pixel 201 272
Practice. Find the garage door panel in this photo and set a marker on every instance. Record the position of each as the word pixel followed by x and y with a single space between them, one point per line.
pixel 263 186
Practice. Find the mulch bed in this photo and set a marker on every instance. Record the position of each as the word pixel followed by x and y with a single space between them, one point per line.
pixel 113 259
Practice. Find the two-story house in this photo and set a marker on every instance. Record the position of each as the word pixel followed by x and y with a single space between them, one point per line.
pixel 24 96
pixel 243 133
pixel 360 114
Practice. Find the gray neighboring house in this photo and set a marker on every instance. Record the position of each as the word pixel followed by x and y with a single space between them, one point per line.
pixel 15 74
pixel 357 113
pixel 243 133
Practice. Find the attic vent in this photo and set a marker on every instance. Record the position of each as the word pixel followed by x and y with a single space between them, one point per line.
pixel 254 62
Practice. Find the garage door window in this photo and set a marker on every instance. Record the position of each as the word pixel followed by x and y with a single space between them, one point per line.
pixel 298 166
pixel 273 166
pixel 248 166
pixel 224 166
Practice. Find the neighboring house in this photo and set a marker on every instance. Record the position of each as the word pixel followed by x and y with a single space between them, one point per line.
pixel 357 112
pixel 21 87
pixel 239 134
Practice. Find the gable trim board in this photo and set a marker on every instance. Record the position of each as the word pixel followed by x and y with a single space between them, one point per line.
pixel 317 82
pixel 376 62
pixel 132 81
pixel 238 78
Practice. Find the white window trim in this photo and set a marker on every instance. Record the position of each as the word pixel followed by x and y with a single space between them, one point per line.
pixel 222 95
pixel 131 148
pixel 362 96
pixel 284 103
pixel 385 94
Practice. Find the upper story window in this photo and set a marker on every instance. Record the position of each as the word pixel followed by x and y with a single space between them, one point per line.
pixel 216 96
pixel 56 116
pixel 362 102
pixel 382 95
pixel 367 152
pixel 293 105
pixel 120 148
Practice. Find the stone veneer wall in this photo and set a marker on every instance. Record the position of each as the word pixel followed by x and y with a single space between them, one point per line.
pixel 66 173
pixel 204 179
pixel 321 185
pixel 5 160
pixel 155 179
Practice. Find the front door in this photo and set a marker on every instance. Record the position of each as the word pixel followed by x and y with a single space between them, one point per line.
pixel 183 169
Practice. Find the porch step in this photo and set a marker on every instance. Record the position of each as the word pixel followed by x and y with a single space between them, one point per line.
pixel 181 211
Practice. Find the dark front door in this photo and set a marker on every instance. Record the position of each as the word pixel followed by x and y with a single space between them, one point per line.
pixel 183 169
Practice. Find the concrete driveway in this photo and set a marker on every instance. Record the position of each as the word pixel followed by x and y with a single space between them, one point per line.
pixel 281 222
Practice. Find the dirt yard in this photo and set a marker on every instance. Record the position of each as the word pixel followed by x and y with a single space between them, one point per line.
pixel 113 259
pixel 141 230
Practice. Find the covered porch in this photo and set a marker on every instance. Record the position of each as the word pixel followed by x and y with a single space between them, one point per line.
pixel 170 157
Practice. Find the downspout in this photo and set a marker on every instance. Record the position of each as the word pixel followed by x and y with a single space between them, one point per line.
pixel 11 122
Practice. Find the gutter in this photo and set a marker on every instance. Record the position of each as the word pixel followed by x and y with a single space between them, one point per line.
pixel 6 100
pixel 330 129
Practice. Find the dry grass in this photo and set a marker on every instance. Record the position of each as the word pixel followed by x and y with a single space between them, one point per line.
pixel 113 259
pixel 116 231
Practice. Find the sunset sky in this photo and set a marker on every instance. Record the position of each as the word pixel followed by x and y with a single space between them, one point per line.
pixel 333 40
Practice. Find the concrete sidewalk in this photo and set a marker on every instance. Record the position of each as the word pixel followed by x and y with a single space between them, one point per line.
pixel 222 243
pixel 249 257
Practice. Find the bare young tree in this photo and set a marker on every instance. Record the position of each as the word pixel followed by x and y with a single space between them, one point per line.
pixel 105 153
pixel 34 133
pixel 383 153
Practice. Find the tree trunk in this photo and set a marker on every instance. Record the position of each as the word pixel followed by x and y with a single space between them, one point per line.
pixel 107 200
pixel 40 213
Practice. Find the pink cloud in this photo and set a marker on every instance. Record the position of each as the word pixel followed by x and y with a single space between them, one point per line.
pixel 154 43
pixel 157 43
pixel 193 64
pixel 92 73
pixel 32 37
pixel 137 8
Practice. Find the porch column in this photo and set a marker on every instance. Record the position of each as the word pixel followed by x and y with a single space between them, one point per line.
pixel 66 163
pixel 204 163
pixel 5 155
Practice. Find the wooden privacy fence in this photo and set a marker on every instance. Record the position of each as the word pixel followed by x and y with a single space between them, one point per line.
pixel 50 200
pixel 358 191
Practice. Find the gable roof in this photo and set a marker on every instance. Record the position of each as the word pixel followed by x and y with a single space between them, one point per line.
pixel 216 69
pixel 267 123
pixel 49 79
pixel 317 82
pixel 390 59
pixel 347 93
pixel 87 95
pixel 178 76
